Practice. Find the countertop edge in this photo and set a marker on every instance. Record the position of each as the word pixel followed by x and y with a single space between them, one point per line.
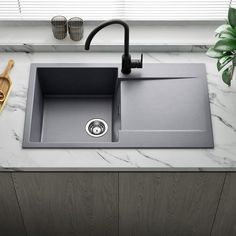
pixel 117 169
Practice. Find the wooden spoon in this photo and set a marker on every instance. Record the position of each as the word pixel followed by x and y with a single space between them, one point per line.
pixel 5 81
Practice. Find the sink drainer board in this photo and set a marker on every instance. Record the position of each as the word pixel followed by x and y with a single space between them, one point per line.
pixel 159 106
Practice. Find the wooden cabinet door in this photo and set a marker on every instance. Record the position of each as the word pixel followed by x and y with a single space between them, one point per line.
pixel 225 222
pixel 66 204
pixel 178 204
pixel 11 222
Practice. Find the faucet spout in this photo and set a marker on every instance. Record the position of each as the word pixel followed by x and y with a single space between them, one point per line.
pixel 106 23
pixel 127 63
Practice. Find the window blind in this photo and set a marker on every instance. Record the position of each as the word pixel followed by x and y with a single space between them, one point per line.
pixel 123 9
pixel 9 9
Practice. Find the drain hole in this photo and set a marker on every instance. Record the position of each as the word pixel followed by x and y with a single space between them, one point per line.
pixel 96 127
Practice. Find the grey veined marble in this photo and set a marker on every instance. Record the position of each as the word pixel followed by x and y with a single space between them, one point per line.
pixel 223 110
pixel 30 48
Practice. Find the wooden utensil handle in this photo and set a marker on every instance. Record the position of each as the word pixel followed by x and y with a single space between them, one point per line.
pixel 8 68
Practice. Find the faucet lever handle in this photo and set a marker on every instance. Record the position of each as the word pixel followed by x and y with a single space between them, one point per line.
pixel 137 63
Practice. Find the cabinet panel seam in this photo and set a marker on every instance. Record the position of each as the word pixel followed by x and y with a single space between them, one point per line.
pixel 218 204
pixel 118 204
pixel 18 202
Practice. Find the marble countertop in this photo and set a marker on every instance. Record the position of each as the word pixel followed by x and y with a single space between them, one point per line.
pixel 144 36
pixel 223 110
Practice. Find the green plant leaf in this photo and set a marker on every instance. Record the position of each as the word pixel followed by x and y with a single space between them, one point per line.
pixel 222 62
pixel 232 16
pixel 227 35
pixel 225 57
pixel 227 75
pixel 222 28
pixel 225 45
pixel 219 67
pixel 211 52
pixel 230 30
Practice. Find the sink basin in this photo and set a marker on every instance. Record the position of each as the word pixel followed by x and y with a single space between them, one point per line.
pixel 96 106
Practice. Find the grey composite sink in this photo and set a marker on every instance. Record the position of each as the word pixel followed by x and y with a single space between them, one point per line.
pixel 96 106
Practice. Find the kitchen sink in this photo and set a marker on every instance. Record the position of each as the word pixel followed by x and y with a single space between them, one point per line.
pixel 96 106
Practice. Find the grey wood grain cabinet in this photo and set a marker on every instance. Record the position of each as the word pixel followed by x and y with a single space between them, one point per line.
pixel 152 204
pixel 11 222
pixel 66 204
pixel 225 222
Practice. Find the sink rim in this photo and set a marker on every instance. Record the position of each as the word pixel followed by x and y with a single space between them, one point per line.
pixel 137 76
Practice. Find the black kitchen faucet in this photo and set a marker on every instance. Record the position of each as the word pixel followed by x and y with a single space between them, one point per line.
pixel 127 62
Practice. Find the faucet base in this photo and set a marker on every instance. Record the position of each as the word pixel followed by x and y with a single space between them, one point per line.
pixel 126 61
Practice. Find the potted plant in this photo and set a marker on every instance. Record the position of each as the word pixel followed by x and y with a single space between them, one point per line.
pixel 224 49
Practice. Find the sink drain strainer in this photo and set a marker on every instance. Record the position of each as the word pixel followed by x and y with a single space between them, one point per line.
pixel 96 127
